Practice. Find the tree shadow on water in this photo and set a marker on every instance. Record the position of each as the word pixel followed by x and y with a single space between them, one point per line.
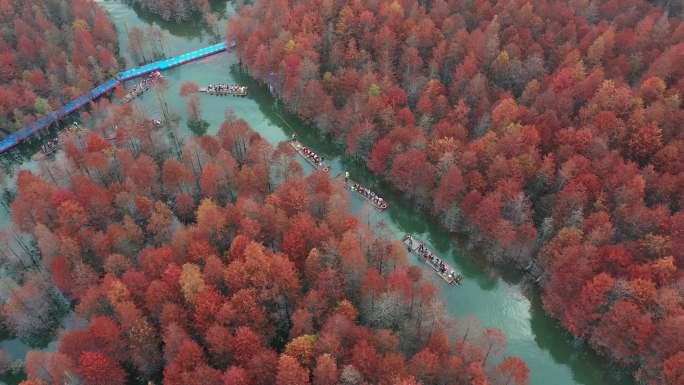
pixel 193 27
pixel 586 365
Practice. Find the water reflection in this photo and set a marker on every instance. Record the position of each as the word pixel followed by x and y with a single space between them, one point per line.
pixel 194 27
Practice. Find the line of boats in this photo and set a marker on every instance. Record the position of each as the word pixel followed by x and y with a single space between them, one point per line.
pixel 212 89
pixel 414 246
pixel 225 90
pixel 318 162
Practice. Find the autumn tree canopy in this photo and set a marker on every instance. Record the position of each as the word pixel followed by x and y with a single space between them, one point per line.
pixel 226 277
pixel 547 131
pixel 50 53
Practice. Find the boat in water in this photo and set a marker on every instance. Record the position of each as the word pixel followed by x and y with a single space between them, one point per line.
pixel 374 199
pixel 225 90
pixel 438 265
pixel 48 148
pixel 311 157
pixel 142 87
pixel 51 146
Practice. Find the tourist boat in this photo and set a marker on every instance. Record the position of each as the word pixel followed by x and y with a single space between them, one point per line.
pixel 374 199
pixel 46 149
pixel 438 265
pixel 225 90
pixel 142 87
pixel 155 122
pixel 51 146
pixel 311 157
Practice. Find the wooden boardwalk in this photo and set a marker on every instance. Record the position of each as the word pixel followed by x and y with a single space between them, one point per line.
pixel 26 133
pixel 438 265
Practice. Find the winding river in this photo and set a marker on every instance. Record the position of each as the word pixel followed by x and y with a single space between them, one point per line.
pixel 497 298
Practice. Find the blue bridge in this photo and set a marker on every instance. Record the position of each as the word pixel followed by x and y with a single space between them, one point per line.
pixel 34 128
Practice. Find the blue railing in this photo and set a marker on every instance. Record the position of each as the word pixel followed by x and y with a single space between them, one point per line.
pixel 14 139
pixel 172 62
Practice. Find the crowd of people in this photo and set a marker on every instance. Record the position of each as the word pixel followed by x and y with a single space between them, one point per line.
pixel 312 155
pixel 143 86
pixel 435 261
pixel 313 158
pixel 230 89
pixel 367 193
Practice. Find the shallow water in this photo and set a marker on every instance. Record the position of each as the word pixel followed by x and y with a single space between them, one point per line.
pixel 553 357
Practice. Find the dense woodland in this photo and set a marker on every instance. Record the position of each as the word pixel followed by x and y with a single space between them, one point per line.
pixel 51 51
pixel 548 131
pixel 177 10
pixel 223 264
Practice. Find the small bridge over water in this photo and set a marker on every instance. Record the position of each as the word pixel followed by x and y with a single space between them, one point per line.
pixel 34 128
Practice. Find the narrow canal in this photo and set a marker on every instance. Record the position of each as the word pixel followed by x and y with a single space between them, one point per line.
pixel 497 299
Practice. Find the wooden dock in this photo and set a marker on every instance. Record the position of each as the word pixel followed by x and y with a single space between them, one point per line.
pixel 310 156
pixel 374 199
pixel 438 265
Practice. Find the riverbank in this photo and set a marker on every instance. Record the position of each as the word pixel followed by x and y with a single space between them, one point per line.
pixel 549 335
pixel 499 301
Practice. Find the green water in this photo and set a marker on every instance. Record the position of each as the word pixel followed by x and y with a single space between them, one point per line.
pixel 497 298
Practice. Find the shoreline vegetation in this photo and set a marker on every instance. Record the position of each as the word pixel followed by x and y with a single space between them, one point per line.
pixel 501 134
pixel 254 274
